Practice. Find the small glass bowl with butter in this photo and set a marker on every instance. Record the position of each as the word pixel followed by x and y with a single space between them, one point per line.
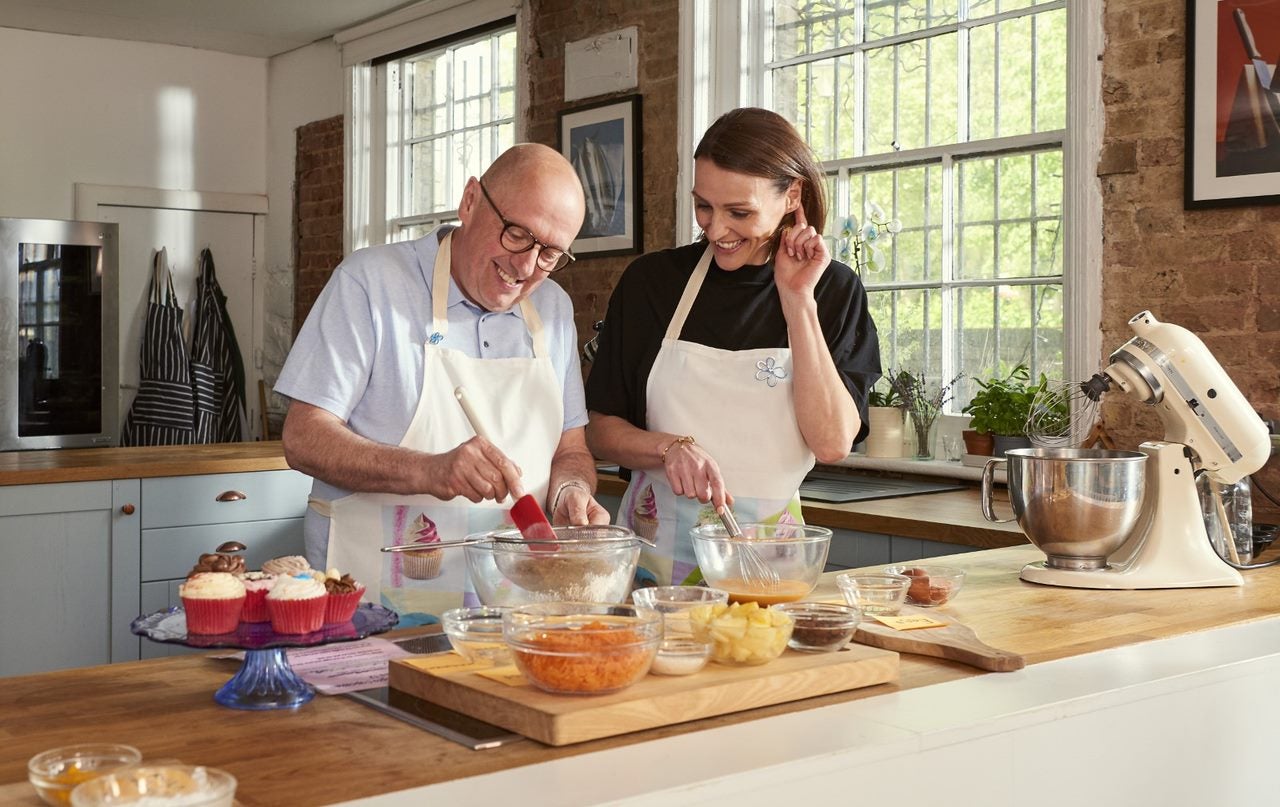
pixel 56 772
pixel 680 657
pixel 476 633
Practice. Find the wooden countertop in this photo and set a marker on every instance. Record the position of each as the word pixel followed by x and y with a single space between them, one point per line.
pixel 334 749
pixel 95 464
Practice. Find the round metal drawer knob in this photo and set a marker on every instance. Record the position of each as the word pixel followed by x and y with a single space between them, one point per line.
pixel 231 496
pixel 127 509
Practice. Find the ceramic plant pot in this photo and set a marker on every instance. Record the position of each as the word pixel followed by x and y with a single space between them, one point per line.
pixel 979 443
pixel 885 436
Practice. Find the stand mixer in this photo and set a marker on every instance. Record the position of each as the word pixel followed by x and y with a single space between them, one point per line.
pixel 1209 428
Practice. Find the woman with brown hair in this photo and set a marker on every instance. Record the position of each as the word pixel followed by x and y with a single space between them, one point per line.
pixel 727 366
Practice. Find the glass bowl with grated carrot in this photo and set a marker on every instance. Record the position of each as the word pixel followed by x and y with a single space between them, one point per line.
pixel 578 648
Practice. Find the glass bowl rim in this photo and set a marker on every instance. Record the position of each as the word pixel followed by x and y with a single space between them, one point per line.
pixel 930 568
pixel 718 533
pixel 845 579
pixel 797 607
pixel 67 753
pixel 222 782
pixel 721 595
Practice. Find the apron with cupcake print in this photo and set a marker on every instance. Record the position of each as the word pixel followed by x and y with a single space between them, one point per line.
pixel 738 405
pixel 518 399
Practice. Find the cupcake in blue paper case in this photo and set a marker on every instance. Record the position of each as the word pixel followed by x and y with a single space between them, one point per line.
pixel 422 564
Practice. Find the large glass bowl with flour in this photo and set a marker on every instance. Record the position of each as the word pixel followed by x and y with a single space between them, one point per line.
pixel 584 564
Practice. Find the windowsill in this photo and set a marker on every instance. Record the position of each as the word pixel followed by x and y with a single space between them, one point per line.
pixel 905 465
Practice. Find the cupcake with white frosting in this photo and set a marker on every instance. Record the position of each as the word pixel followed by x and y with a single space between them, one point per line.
pixel 296 604
pixel 213 602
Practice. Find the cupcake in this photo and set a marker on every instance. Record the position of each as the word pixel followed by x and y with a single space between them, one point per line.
pixel 296 604
pixel 422 564
pixel 256 586
pixel 644 518
pixel 213 601
pixel 218 562
pixel 344 597
pixel 287 566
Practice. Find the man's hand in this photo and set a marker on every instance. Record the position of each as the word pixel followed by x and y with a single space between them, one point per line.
pixel 577 507
pixel 475 470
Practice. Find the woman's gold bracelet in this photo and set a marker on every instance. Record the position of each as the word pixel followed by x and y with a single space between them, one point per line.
pixel 687 439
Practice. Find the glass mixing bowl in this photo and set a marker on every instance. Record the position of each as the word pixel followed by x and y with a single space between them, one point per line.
pixel 796 552
pixel 580 648
pixel 585 564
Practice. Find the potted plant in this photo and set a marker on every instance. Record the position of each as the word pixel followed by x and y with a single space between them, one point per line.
pixel 1001 408
pixel 884 421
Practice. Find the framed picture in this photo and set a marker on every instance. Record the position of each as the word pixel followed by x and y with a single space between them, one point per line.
pixel 1233 103
pixel 602 141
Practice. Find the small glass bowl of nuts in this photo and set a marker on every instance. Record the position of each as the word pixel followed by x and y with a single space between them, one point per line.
pixel 931 585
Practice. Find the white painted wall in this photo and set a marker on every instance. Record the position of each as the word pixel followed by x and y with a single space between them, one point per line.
pixel 303 86
pixel 82 109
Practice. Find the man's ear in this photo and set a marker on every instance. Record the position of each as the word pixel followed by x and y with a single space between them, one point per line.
pixel 470 200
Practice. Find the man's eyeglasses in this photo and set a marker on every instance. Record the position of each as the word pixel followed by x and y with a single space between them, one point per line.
pixel 516 239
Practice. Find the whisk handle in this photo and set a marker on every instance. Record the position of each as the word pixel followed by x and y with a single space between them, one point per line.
pixel 988 484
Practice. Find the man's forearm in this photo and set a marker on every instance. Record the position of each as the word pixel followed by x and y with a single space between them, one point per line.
pixel 320 445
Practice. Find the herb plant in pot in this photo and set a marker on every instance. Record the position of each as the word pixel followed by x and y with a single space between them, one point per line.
pixel 884 423
pixel 1001 408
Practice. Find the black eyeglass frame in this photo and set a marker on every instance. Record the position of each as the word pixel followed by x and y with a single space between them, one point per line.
pixel 512 230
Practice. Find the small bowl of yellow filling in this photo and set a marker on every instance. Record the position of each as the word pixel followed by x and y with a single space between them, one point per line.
pixel 56 772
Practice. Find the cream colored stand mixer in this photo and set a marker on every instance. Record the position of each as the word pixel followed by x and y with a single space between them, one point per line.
pixel 1209 428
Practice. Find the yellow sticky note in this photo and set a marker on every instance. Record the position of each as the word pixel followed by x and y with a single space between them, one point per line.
pixel 913 622
pixel 507 674
pixel 446 663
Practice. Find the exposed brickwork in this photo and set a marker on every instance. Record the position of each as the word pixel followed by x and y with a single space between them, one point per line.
pixel 317 212
pixel 1215 272
pixel 555 22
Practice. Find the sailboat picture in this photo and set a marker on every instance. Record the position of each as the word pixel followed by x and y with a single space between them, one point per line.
pixel 600 141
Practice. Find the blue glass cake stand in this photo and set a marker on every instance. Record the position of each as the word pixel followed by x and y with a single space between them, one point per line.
pixel 265 679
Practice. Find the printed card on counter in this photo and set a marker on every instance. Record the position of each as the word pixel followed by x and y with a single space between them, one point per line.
pixel 451 662
pixel 913 622
pixel 337 668
pixel 507 674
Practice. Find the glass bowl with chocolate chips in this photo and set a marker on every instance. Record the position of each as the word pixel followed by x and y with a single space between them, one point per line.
pixel 820 627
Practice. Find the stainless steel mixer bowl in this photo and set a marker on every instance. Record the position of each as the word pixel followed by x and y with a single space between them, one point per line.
pixel 1077 505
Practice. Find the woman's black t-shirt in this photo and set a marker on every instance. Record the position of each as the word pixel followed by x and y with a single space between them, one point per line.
pixel 737 310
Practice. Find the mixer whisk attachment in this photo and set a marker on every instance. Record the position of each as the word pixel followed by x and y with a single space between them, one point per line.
pixel 1063 412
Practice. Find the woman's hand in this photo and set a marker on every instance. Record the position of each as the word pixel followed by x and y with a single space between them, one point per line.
pixel 802 258
pixel 692 473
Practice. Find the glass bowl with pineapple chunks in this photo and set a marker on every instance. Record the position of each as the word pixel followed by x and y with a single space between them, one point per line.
pixel 741 634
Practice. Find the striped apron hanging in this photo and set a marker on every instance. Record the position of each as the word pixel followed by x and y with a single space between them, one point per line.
pixel 162 411
pixel 217 370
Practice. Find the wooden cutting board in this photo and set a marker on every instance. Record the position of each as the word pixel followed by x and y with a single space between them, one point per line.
pixel 955 642
pixel 656 700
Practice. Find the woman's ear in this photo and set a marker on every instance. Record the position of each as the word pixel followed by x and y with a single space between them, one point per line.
pixel 793 195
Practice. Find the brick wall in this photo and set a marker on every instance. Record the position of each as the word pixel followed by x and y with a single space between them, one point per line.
pixel 554 22
pixel 317 216
pixel 1215 272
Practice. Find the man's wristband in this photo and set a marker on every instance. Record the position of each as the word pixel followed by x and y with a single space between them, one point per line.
pixel 687 439
pixel 570 483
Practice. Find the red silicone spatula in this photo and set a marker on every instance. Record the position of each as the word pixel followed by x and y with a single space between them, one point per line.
pixel 526 513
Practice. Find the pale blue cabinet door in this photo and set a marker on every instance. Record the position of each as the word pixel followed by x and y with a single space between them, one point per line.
pixel 60 550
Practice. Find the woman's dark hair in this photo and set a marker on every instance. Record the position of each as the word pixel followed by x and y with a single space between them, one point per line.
pixel 760 143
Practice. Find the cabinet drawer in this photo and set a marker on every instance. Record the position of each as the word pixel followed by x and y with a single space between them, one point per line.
pixel 176 501
pixel 170 553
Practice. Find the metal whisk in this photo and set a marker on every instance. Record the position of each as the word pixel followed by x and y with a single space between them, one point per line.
pixel 753 567
pixel 1064 412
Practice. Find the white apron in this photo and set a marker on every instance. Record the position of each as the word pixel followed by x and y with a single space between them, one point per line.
pixel 739 406
pixel 520 403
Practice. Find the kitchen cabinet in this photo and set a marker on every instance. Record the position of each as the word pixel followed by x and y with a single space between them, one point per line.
pixel 71 585
pixel 85 558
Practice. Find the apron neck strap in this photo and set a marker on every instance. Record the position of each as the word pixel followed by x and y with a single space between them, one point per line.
pixel 440 280
pixel 691 290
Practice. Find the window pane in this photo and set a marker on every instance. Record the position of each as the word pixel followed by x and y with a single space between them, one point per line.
pixel 1051 70
pixel 944 98
pixel 913 196
pixel 801 27
pixel 881 97
pixel 1000 327
pixel 819 99
pixel 909 322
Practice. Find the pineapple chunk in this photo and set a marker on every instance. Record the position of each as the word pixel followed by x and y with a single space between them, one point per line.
pixel 742 633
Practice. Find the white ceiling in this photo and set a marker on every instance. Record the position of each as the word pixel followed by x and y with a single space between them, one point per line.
pixel 260 28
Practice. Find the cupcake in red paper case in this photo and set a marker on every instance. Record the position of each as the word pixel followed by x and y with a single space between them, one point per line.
pixel 422 564
pixel 287 566
pixel 644 518
pixel 256 586
pixel 213 602
pixel 344 597
pixel 296 604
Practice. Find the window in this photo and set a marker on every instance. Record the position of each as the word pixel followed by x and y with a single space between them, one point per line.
pixel 952 117
pixel 422 118
pixel 451 112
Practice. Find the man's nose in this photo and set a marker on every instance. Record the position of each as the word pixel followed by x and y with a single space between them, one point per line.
pixel 526 263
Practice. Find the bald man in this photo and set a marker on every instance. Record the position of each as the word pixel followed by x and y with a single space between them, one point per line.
pixel 373 376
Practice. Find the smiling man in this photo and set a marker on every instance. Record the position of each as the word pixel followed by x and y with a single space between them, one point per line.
pixel 372 377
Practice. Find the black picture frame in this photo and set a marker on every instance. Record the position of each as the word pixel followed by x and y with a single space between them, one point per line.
pixel 1232 154
pixel 602 141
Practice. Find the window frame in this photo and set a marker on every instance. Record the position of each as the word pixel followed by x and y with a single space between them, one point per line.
pixel 711 85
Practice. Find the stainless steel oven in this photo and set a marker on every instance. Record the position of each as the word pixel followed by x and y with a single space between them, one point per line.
pixel 59 358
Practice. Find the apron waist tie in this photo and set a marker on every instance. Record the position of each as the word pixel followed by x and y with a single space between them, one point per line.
pixel 323 507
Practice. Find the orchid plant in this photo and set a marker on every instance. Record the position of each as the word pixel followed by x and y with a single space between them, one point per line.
pixel 858 244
